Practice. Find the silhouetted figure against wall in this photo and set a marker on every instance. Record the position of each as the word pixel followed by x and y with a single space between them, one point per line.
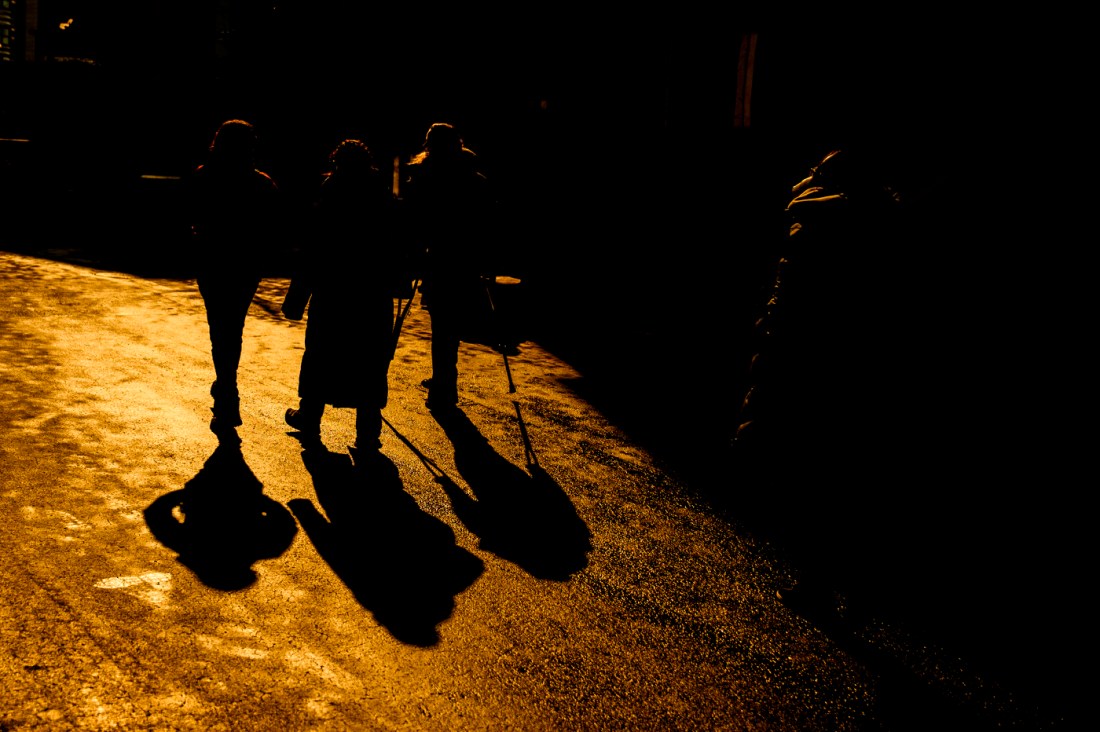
pixel 348 275
pixel 233 208
pixel 820 414
pixel 447 202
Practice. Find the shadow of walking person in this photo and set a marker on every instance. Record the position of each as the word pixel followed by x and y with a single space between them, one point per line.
pixel 524 517
pixel 221 523
pixel 400 563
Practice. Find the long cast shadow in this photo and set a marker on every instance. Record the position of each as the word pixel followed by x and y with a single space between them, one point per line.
pixel 524 517
pixel 400 563
pixel 220 522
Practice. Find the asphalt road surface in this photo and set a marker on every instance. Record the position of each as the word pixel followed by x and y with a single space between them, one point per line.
pixel 526 566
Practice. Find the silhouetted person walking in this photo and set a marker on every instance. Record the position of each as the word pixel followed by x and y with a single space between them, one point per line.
pixel 233 210
pixel 448 204
pixel 348 276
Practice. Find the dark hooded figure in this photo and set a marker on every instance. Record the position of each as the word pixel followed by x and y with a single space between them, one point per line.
pixel 348 277
pixel 233 209
pixel 829 377
pixel 447 202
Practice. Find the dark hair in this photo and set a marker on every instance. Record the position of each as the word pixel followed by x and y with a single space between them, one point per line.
pixel 442 141
pixel 351 155
pixel 234 143
pixel 442 138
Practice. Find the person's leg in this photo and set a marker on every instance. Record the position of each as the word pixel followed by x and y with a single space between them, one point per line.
pixel 227 303
pixel 443 390
pixel 376 389
pixel 311 406
pixel 368 427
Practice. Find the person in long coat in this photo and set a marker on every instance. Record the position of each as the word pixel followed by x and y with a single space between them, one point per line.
pixel 347 278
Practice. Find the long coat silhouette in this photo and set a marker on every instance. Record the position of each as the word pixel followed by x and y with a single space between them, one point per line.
pixel 348 276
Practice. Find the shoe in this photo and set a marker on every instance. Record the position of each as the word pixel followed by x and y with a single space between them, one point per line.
pixel 435 404
pixel 221 426
pixel 226 409
pixel 427 383
pixel 367 444
pixel 227 435
pixel 303 424
pixel 365 457
pixel 226 415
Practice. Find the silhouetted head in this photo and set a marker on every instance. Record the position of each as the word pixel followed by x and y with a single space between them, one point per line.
pixel 840 170
pixel 839 166
pixel 351 156
pixel 234 144
pixel 824 172
pixel 857 171
pixel 443 139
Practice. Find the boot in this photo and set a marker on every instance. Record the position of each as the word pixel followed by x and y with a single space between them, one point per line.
pixel 368 429
pixel 226 409
pixel 442 398
pixel 307 417
pixel 306 422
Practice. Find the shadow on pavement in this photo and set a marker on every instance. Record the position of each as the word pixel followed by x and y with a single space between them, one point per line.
pixel 221 523
pixel 400 563
pixel 523 517
pixel 966 557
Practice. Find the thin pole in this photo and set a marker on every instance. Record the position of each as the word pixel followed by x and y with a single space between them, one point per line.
pixel 400 319
pixel 500 344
